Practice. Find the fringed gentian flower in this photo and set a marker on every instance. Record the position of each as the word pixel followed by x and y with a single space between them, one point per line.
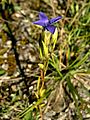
pixel 47 24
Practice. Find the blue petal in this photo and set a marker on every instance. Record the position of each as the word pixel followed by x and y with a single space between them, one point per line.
pixel 51 28
pixel 42 16
pixel 53 20
pixel 39 22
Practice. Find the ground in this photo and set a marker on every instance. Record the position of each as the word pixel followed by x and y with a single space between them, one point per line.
pixel 69 96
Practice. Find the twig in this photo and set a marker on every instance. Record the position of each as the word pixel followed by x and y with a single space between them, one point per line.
pixel 13 39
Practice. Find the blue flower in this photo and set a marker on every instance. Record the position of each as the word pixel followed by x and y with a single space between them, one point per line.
pixel 47 24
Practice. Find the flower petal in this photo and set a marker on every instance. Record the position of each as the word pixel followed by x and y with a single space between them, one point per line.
pixel 53 20
pixel 51 28
pixel 42 16
pixel 39 22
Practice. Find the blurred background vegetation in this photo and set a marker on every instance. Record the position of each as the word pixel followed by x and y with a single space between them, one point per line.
pixel 54 85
